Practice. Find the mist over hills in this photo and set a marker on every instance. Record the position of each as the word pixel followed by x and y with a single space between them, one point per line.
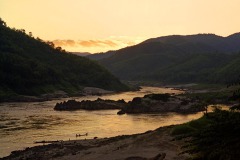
pixel 206 58
pixel 30 66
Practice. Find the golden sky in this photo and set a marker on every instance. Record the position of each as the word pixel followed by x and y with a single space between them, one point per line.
pixel 101 25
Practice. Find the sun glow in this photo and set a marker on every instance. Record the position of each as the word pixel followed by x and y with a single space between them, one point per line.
pixel 89 25
pixel 102 45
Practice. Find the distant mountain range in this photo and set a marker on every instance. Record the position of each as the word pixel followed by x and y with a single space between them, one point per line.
pixel 30 66
pixel 99 56
pixel 82 54
pixel 178 59
pixel 210 42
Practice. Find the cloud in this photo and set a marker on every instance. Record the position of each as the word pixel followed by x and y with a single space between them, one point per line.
pixel 71 43
pixel 87 43
pixel 99 45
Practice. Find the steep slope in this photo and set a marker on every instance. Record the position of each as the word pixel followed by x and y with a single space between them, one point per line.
pixel 29 66
pixel 194 58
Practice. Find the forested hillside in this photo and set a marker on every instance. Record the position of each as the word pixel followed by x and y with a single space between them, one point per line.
pixel 202 58
pixel 30 66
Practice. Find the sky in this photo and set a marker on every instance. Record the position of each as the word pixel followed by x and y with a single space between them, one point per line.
pixel 101 25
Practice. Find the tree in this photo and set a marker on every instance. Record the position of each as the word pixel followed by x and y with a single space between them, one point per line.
pixel 2 23
pixel 51 44
pixel 59 49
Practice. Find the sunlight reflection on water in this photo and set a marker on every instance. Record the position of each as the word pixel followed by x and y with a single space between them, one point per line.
pixel 23 123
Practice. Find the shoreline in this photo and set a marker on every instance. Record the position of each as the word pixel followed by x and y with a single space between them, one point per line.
pixel 122 147
pixel 87 91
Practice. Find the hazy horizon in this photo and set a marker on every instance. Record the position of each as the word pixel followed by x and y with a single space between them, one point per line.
pixel 93 26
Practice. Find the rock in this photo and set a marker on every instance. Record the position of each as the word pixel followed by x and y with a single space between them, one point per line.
pixel 121 112
pixel 98 104
pixel 161 103
pixel 160 97
pixel 152 103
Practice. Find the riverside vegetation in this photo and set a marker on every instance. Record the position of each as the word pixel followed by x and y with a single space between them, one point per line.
pixel 214 136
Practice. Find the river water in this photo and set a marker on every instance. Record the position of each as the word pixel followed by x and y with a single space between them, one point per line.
pixel 23 123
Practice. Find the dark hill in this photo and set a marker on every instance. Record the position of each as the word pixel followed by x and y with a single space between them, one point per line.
pixel 194 58
pixel 82 54
pixel 29 66
pixel 228 44
pixel 98 56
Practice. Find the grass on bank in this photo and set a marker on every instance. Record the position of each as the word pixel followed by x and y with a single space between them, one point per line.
pixel 191 126
pixel 213 136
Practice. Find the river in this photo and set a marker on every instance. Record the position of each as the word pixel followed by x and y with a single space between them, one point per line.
pixel 23 123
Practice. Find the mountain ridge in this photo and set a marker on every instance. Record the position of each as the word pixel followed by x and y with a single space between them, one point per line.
pixel 212 40
pixel 177 59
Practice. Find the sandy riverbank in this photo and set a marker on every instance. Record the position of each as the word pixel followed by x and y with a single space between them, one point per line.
pixel 139 146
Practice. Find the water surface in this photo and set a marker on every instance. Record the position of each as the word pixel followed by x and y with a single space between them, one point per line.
pixel 23 123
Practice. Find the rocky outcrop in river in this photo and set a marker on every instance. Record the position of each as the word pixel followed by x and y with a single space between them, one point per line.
pixel 151 103
pixel 160 103
pixel 98 104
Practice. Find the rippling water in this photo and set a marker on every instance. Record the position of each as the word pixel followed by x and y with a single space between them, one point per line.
pixel 23 123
